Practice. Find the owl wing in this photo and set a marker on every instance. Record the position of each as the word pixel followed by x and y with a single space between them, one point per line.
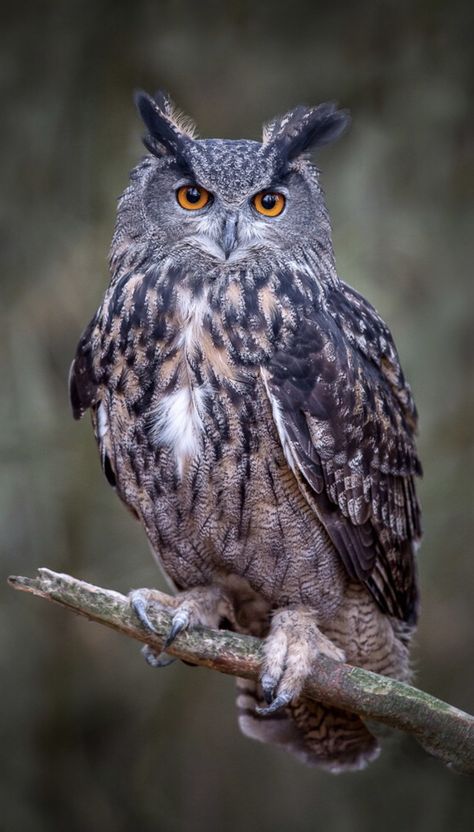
pixel 82 381
pixel 83 394
pixel 346 420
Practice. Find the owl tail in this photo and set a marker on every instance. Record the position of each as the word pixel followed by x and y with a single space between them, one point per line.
pixel 318 735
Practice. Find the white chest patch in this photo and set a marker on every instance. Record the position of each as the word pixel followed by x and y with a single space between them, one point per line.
pixel 177 423
pixel 178 418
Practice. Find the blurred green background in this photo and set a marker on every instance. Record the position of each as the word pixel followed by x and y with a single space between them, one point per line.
pixel 91 738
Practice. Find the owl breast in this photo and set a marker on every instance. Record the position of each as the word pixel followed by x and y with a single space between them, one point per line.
pixel 178 421
pixel 197 455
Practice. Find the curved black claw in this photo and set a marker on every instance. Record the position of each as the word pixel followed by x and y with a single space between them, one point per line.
pixel 268 686
pixel 155 659
pixel 139 606
pixel 179 623
pixel 280 701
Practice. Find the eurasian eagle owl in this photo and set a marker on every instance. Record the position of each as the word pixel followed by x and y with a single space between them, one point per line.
pixel 251 411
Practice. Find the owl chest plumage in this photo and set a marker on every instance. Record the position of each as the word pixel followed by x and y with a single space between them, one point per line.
pixel 194 445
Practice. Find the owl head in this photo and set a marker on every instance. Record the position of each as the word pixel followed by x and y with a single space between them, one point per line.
pixel 227 201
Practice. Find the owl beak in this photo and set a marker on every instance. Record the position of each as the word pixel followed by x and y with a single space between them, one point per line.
pixel 229 237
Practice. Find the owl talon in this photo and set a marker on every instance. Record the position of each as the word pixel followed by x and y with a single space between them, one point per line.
pixel 280 701
pixel 206 606
pixel 139 606
pixel 180 622
pixel 268 685
pixel 291 650
pixel 155 659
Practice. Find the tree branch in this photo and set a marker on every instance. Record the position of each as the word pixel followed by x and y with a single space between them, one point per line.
pixel 441 729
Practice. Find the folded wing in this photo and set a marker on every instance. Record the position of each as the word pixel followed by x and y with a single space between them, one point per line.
pixel 346 420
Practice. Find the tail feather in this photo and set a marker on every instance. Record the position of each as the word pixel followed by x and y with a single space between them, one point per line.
pixel 318 735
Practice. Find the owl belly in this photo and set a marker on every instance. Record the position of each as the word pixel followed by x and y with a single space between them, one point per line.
pixel 217 496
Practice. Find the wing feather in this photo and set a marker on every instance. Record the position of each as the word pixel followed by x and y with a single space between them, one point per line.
pixel 82 379
pixel 83 395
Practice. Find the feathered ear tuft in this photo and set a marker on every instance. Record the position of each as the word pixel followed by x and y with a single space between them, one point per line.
pixel 303 129
pixel 168 130
pixel 183 123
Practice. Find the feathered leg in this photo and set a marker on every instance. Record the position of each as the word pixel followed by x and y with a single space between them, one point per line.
pixel 317 734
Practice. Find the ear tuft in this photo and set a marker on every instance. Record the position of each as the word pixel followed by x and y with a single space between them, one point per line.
pixel 168 131
pixel 304 129
pixel 183 123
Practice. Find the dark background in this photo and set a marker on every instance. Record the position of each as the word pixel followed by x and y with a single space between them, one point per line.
pixel 91 738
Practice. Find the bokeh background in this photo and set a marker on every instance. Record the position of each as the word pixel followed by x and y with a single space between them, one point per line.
pixel 91 738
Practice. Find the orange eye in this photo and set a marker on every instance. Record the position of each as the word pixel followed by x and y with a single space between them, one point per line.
pixel 192 197
pixel 269 203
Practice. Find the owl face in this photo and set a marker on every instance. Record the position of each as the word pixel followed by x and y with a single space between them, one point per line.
pixel 231 204
pixel 229 201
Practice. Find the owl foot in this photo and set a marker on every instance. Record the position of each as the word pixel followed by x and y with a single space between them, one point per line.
pixel 206 606
pixel 291 650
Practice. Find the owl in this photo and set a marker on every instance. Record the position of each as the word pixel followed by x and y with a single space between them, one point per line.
pixel 250 410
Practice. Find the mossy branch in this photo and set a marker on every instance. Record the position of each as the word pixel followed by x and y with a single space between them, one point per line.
pixel 441 729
